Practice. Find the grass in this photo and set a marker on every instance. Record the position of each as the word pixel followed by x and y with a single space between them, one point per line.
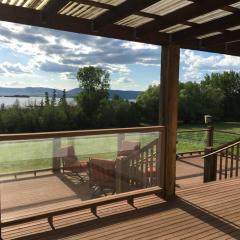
pixel 197 140
pixel 19 156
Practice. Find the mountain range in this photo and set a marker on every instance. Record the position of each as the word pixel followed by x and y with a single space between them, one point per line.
pixel 40 91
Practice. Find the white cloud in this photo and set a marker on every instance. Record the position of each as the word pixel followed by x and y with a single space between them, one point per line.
pixel 138 46
pixel 196 64
pixel 125 80
pixel 155 82
pixel 9 69
pixel 62 52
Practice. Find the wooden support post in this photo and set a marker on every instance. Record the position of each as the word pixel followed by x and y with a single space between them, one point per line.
pixel 210 136
pixel 0 215
pixel 210 166
pixel 168 114
pixel 56 164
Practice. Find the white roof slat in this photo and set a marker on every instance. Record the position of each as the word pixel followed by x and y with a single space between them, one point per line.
pixel 165 7
pixel 175 28
pixel 210 16
pixel 111 2
pixel 134 21
pixel 209 35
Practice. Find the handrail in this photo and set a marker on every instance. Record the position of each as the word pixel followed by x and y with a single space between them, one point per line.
pixel 222 149
pixel 43 135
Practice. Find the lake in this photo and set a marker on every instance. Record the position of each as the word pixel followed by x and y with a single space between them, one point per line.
pixel 24 101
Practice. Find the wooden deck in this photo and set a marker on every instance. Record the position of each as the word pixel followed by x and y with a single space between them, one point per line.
pixel 52 191
pixel 200 211
pixel 189 172
pixel 211 211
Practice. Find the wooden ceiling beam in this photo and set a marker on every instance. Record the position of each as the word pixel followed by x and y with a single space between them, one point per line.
pixel 52 7
pixel 229 47
pixel 33 17
pixel 227 37
pixel 218 25
pixel 219 50
pixel 121 11
pixel 210 42
pixel 95 4
pixel 196 9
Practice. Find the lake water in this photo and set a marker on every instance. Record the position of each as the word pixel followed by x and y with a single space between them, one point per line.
pixel 9 101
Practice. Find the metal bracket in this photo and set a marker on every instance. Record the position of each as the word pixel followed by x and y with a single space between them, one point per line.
pixel 135 34
pixel 226 47
pixel 170 38
pixel 94 211
pixel 50 221
pixel 200 43
pixel 92 26
pixel 131 201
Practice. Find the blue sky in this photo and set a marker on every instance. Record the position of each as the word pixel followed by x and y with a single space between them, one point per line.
pixel 38 57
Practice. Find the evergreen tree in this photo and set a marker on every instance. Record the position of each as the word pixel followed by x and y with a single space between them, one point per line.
pixel 54 96
pixel 63 100
pixel 46 99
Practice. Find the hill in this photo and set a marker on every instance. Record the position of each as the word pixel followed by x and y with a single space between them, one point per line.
pixel 40 91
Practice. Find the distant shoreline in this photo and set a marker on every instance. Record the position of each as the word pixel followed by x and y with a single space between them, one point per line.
pixel 40 92
pixel 17 96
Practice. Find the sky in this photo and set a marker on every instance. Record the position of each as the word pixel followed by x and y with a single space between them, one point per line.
pixel 39 57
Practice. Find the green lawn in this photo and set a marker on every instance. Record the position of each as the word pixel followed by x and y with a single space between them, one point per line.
pixel 197 140
pixel 18 156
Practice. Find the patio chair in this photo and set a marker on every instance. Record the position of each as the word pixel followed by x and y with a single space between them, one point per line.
pixel 70 162
pixel 101 176
pixel 128 147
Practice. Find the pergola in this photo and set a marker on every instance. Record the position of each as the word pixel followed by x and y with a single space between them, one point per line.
pixel 203 25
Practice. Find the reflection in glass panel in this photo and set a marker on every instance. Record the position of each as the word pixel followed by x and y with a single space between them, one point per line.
pixel 51 173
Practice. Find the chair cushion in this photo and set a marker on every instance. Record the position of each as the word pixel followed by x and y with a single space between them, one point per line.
pixel 102 173
pixel 76 166
pixel 128 147
pixel 67 150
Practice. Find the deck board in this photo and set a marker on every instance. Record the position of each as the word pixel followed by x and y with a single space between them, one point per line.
pixel 200 211
pixel 210 211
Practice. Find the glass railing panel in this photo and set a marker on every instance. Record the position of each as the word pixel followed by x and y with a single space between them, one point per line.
pixel 58 172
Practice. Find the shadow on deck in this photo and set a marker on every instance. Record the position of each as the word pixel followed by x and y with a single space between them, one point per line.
pixel 205 211
pixel 211 211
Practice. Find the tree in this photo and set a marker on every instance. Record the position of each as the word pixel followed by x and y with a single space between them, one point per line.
pixel 148 103
pixel 94 80
pixel 46 99
pixel 63 100
pixel 197 99
pixel 94 85
pixel 54 96
pixel 229 84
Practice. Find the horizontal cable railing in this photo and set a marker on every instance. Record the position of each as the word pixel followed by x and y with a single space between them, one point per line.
pixel 222 138
pixel 191 143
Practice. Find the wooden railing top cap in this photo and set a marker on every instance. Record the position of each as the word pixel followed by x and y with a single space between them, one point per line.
pixel 44 135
